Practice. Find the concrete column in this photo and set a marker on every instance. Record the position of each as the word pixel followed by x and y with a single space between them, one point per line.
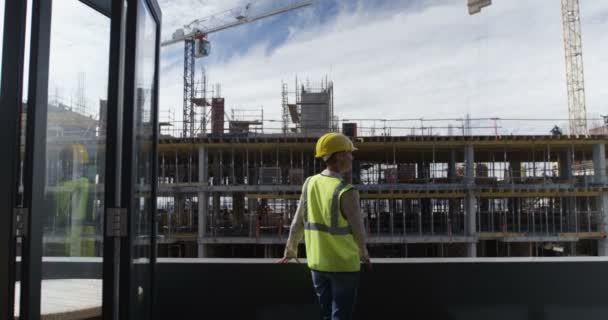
pixel 452 203
pixel 565 165
pixel 203 201
pixel 238 208
pixel 356 174
pixel 515 173
pixel 513 203
pixel 470 201
pixel 180 208
pixel 599 163
pixel 203 215
pixel 252 206
pixel 469 164
pixel 425 203
pixel 599 170
pixel 602 206
pixel 452 166
pixel 216 211
pixel 470 207
pixel 76 216
pixel 565 173
pixel 217 171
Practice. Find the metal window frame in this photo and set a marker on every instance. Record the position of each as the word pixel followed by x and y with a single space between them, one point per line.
pixel 34 176
pixel 123 27
pixel 129 307
pixel 102 6
pixel 155 135
pixel 112 192
pixel 10 136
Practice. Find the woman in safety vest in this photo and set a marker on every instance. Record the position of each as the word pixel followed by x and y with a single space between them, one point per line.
pixel 329 218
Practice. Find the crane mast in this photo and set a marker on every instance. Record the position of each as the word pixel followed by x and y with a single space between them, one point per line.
pixel 575 82
pixel 573 51
pixel 196 45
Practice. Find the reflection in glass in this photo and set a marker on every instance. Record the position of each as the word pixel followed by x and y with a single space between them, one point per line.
pixel 75 159
pixel 144 156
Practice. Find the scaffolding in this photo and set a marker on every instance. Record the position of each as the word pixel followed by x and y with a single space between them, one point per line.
pixel 245 121
pixel 420 196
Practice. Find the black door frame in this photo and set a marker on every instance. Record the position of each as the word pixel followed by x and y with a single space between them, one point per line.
pixel 121 76
pixel 10 137
pixel 111 248
pixel 34 166
pixel 126 289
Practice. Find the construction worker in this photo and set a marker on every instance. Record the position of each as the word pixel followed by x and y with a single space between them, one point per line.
pixel 72 200
pixel 329 218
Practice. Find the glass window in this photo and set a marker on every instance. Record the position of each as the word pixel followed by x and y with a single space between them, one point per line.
pixel 144 152
pixel 75 158
pixel 23 122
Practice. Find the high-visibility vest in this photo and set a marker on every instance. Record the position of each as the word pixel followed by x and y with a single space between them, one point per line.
pixel 330 245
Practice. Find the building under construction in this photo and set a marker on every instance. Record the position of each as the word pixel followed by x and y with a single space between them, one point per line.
pixel 233 193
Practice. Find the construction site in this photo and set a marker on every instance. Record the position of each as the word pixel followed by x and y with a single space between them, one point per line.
pixel 127 193
pixel 232 191
pixel 230 180
pixel 229 186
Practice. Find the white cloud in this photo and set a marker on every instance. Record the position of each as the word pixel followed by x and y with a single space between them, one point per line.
pixel 436 62
pixel 431 62
pixel 80 40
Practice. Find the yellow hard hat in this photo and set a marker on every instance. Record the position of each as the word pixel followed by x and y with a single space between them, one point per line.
pixel 80 152
pixel 331 143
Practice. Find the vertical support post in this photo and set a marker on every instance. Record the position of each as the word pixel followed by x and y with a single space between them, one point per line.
pixel 176 169
pixel 425 209
pixel 233 173
pixel 247 169
pixel 404 212
pixel 35 155
pixel 565 172
pixel 599 163
pixel 599 168
pixel 452 204
pixel 75 203
pixel 189 170
pixel 162 169
pixel 470 201
pixel 11 98
pixel 203 200
pixel 565 165
pixel 252 204
pixel 452 166
pixel 216 212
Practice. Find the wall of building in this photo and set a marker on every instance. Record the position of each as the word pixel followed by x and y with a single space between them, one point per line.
pixel 431 196
pixel 316 112
pixel 453 289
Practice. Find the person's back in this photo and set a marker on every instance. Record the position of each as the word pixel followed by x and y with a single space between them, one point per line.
pixel 329 218
pixel 332 246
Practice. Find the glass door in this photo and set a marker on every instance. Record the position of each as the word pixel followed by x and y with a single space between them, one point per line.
pixel 65 116
pixel 89 166
pixel 139 155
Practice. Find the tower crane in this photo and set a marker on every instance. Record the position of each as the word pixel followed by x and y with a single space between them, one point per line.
pixel 573 50
pixel 197 45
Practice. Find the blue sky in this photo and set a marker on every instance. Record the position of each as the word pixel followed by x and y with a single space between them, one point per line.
pixel 388 59
pixel 405 59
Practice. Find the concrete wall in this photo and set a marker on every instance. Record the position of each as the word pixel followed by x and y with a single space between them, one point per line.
pixel 404 289
pixel 462 288
pixel 315 113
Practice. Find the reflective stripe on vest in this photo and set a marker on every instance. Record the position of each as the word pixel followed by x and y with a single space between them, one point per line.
pixel 333 229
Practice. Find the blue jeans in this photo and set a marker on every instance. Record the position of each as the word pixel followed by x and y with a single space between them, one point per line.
pixel 337 293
